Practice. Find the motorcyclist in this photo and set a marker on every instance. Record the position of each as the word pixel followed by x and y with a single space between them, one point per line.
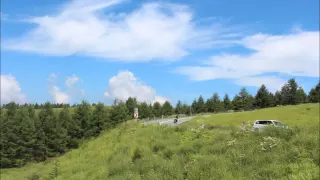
pixel 176 119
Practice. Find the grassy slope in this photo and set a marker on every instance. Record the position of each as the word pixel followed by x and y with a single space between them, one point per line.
pixel 291 115
pixel 135 151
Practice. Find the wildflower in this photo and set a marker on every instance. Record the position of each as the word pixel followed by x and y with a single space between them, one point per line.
pixel 268 143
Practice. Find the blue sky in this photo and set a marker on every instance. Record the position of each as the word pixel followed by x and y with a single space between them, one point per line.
pixel 98 50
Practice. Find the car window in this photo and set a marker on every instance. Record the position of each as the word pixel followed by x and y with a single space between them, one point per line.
pixel 278 123
pixel 264 122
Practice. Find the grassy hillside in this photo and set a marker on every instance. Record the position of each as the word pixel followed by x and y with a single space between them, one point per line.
pixel 134 151
pixel 304 114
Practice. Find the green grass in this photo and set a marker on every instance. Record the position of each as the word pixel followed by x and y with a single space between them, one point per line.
pixel 301 115
pixel 134 151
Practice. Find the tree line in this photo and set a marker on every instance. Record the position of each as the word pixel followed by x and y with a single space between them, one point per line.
pixel 28 134
pixel 290 94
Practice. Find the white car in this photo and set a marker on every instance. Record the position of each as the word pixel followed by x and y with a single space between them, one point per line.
pixel 260 124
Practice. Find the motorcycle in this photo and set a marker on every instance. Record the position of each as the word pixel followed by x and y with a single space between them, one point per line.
pixel 175 121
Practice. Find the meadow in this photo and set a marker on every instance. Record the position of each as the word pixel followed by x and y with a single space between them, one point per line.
pixel 134 151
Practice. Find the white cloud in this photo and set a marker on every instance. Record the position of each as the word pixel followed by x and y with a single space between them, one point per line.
pixel 295 54
pixel 155 31
pixel 125 85
pixel 11 91
pixel 72 92
pixel 70 81
pixel 160 99
pixel 59 96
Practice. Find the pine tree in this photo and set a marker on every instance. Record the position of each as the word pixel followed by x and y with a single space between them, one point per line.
pixel 39 148
pixel 237 103
pixel 56 136
pixel 178 109
pixel 10 138
pixel 157 109
pixel 144 111
pixel 167 109
pixel 289 92
pixel 118 113
pixel 271 100
pixel 150 110
pixel 226 102
pixel 3 143
pixel 99 117
pixel 262 97
pixel 72 127
pixel 82 115
pixel 249 103
pixel 301 96
pixel 31 113
pixel 314 94
pixel 200 105
pixel 194 107
pixel 209 105
pixel 278 98
pixel 26 133
pixel 131 103
pixel 217 104
pixel 246 100
pixel 185 109
pixel 6 150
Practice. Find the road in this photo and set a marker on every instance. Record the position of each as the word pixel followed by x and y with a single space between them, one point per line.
pixel 169 121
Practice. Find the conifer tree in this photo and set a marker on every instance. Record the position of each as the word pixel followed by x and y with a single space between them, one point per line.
pixel 278 98
pixel 185 109
pixel 301 96
pixel 39 148
pixel 200 108
pixel 72 127
pixel 55 135
pixel 82 115
pixel 26 134
pixel 11 136
pixel 99 118
pixel 271 100
pixel 118 113
pixel 314 94
pixel 209 105
pixel 167 109
pixel 150 110
pixel 157 109
pixel 194 106
pixel 226 102
pixel 6 159
pixel 237 103
pixel 131 103
pixel 217 104
pixel 178 109
pixel 289 92
pixel 262 97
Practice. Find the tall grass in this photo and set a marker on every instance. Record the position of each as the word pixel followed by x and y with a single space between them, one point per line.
pixel 135 151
